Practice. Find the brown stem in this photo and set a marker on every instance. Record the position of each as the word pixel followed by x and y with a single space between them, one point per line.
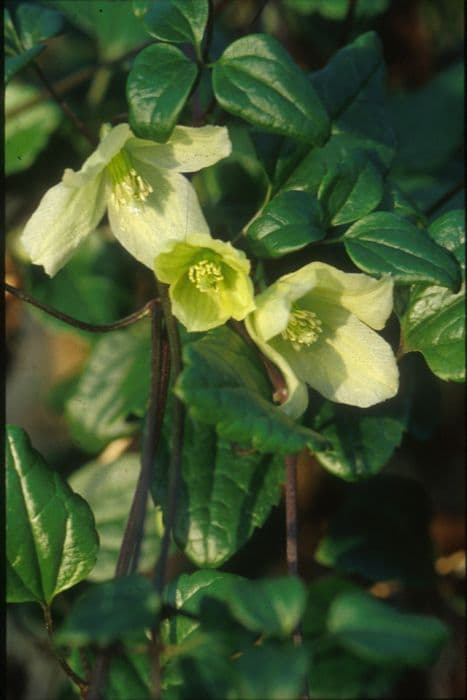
pixel 81 127
pixel 291 514
pixel 77 680
pixel 131 542
pixel 83 325
pixel 177 439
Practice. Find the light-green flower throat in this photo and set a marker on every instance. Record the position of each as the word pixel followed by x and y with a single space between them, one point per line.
pixel 303 329
pixel 206 275
pixel 127 184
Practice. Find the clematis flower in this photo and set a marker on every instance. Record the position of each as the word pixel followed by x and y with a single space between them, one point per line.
pixel 209 281
pixel 140 185
pixel 316 325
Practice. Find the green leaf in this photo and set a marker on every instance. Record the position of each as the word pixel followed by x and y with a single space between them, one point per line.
pixel 112 392
pixel 140 7
pixel 113 24
pixel 256 79
pixel 109 489
pixel 27 132
pixel 111 610
pixel 188 592
pixel 51 539
pixel 336 10
pixel 433 321
pixel 130 674
pixel 158 85
pixel 178 21
pixel 276 673
pixel 291 221
pixel 36 23
pixel 361 441
pixel 10 35
pixel 225 493
pixel 350 190
pixel 434 324
pixel 93 286
pixel 365 534
pixel 321 593
pixel 378 633
pixel 384 243
pixel 13 64
pixel 224 384
pixel 448 231
pixel 352 89
pixel 272 607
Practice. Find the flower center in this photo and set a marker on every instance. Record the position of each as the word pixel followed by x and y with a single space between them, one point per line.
pixel 303 328
pixel 205 275
pixel 127 184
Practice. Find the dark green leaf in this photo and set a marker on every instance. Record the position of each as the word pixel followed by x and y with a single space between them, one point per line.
pixel 10 36
pixel 361 440
pixel 352 88
pixel 27 132
pixel 178 21
pixel 272 607
pixel 255 79
pixel 384 243
pixel 111 610
pixel 51 539
pixel 13 64
pixel 351 189
pixel 434 324
pixel 276 673
pixel 338 674
pixel 426 144
pixel 366 533
pixel 112 390
pixel 448 231
pixel 291 221
pixel 378 633
pixel 158 85
pixel 225 493
pixel 224 384
pixel 113 24
pixel 37 23
pixel 109 488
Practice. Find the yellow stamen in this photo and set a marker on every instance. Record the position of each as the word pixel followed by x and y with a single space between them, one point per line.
pixel 303 329
pixel 127 184
pixel 205 275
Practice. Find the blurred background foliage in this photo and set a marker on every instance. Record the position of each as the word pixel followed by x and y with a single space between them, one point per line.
pixel 87 62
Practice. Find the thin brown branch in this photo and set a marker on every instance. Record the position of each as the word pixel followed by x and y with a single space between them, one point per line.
pixel 74 677
pixel 76 323
pixel 445 198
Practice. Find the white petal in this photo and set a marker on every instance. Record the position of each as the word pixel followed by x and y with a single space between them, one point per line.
pixel 370 299
pixel 349 363
pixel 108 148
pixel 171 211
pixel 297 394
pixel 189 149
pixel 62 220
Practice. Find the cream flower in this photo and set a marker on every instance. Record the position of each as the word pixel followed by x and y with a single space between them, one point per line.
pixel 316 326
pixel 138 182
pixel 209 281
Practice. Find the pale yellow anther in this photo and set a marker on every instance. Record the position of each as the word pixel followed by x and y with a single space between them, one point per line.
pixel 127 184
pixel 205 275
pixel 303 329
